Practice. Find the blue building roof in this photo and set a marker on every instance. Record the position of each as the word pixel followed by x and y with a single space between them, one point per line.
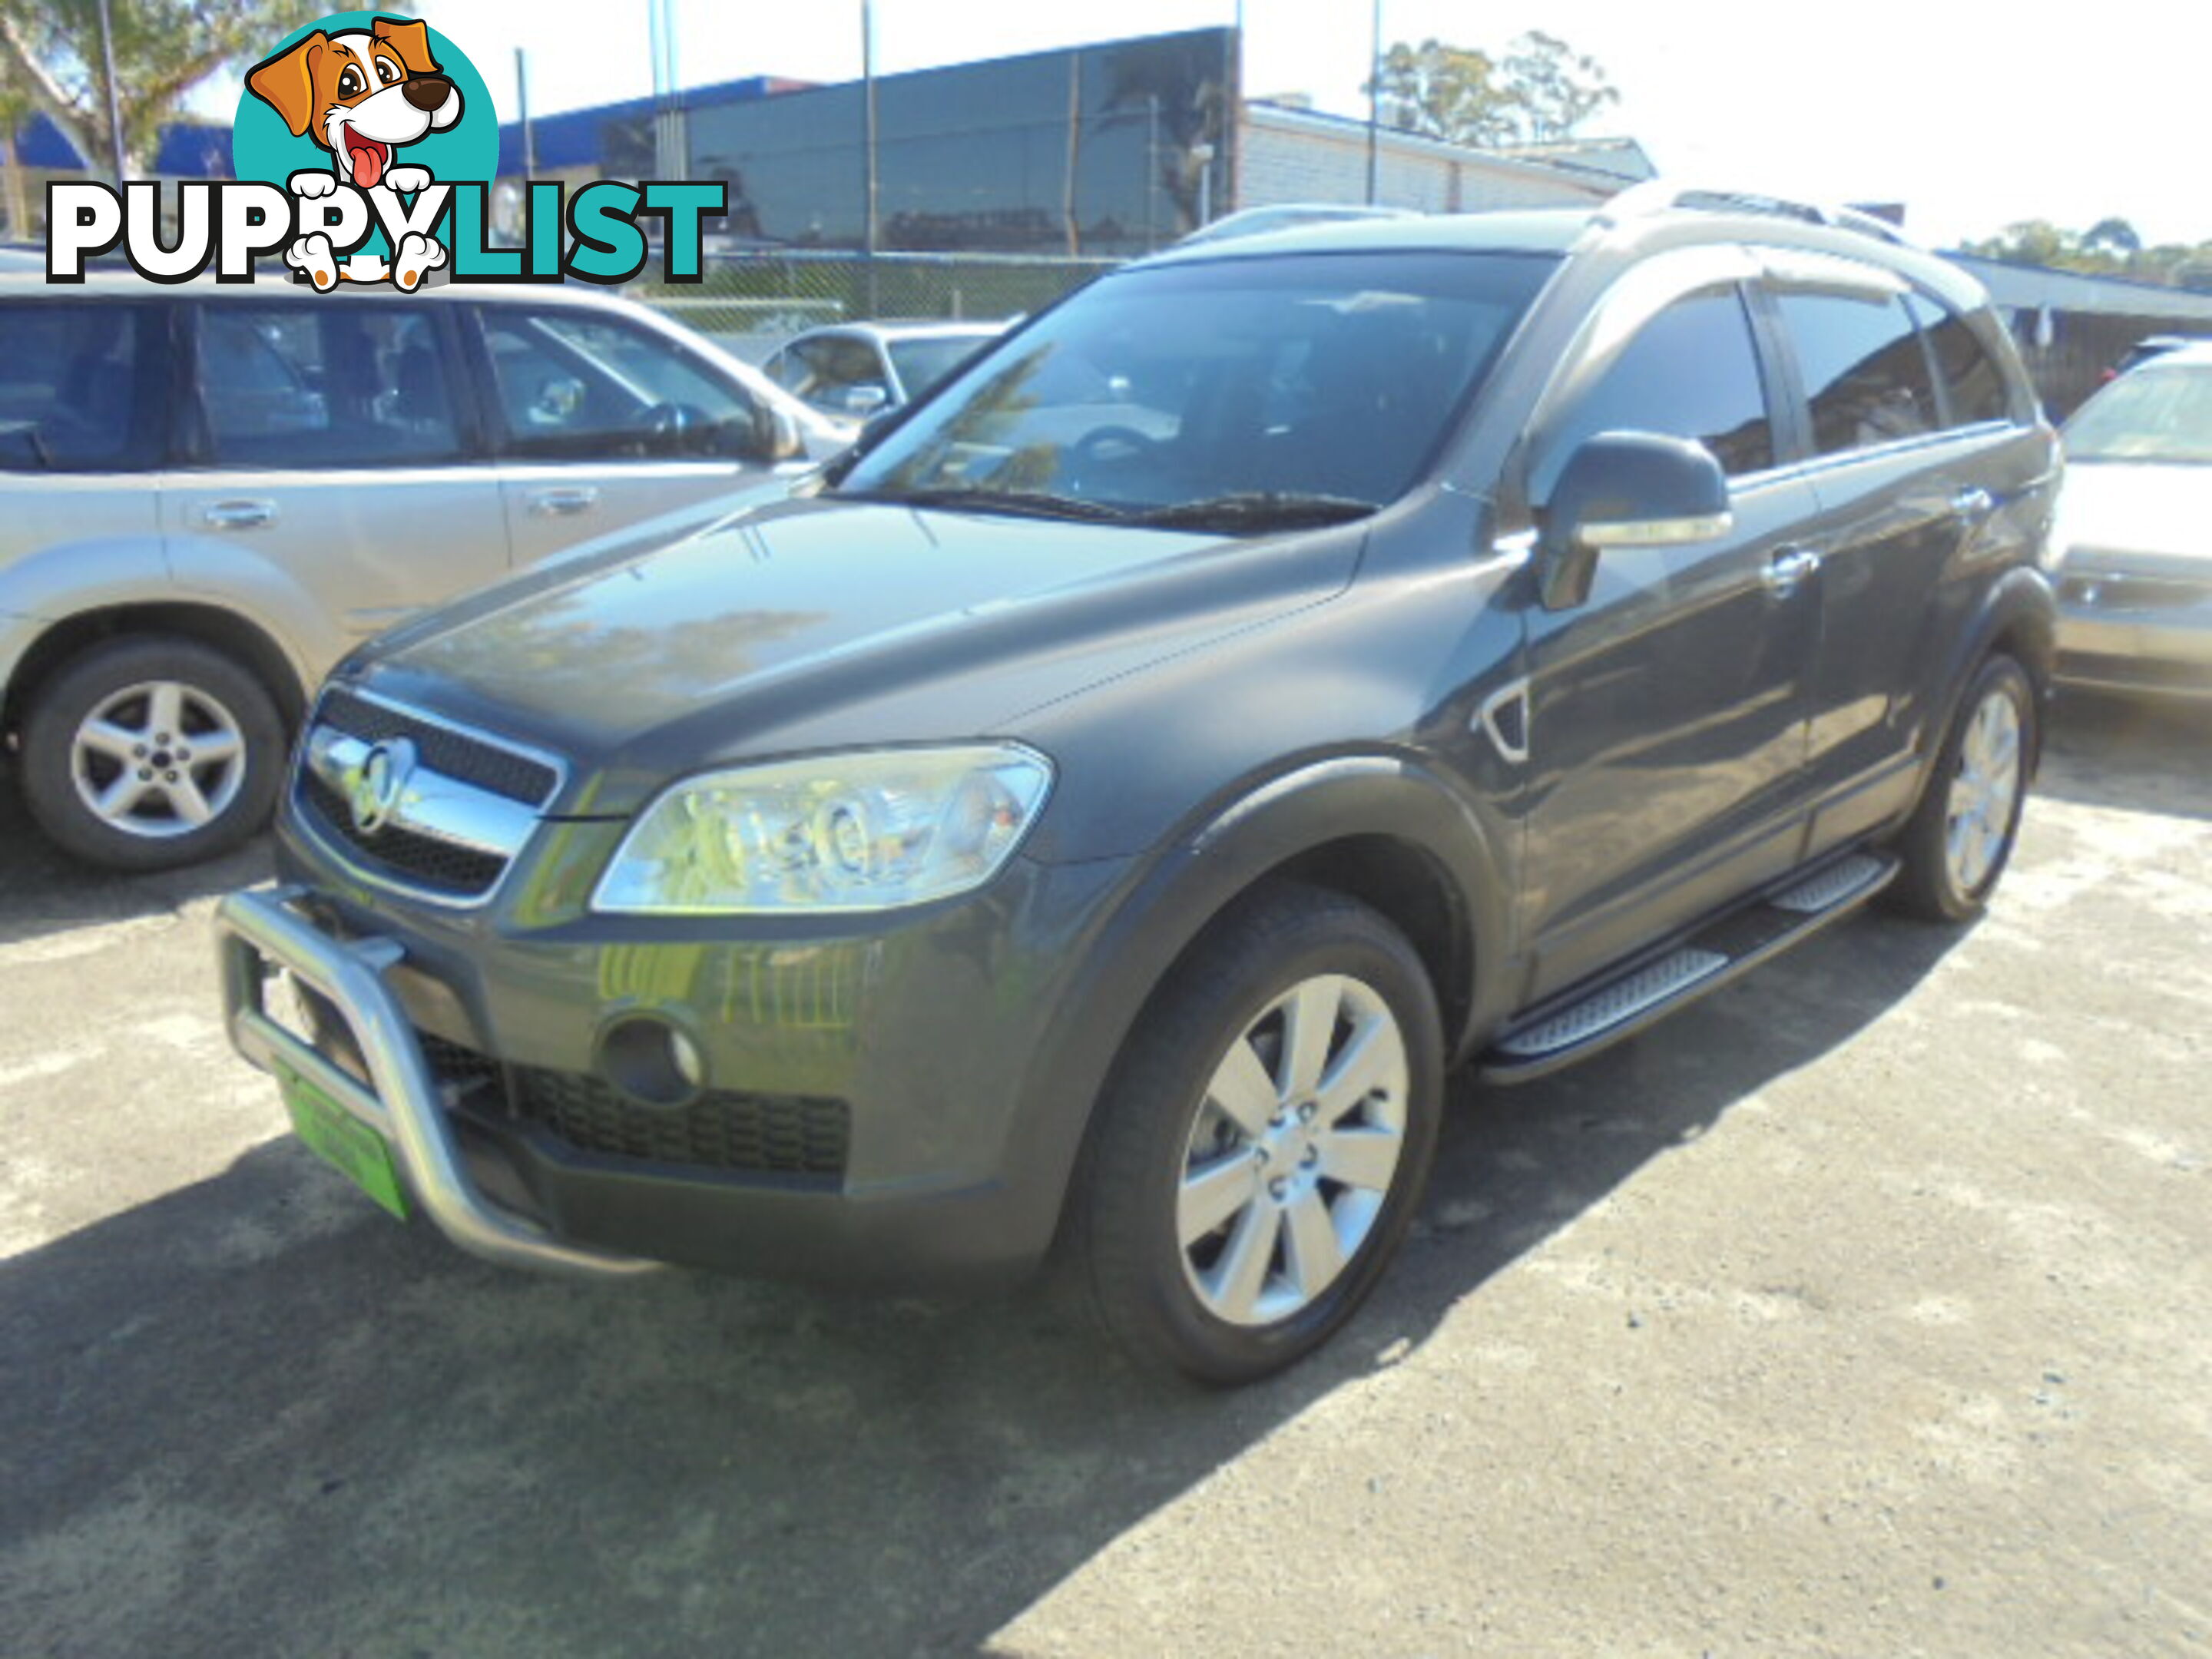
pixel 188 150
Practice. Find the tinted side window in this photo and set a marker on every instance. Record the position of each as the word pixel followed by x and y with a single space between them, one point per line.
pixel 1691 372
pixel 574 385
pixel 1865 373
pixel 69 388
pixel 322 386
pixel 1976 385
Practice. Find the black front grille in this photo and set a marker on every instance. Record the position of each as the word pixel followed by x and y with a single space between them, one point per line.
pixel 457 754
pixel 401 854
pixel 723 1129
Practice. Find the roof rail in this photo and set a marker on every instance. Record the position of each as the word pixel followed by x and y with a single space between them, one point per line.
pixel 1659 195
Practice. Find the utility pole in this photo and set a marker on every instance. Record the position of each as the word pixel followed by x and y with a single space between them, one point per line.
pixel 522 110
pixel 1375 105
pixel 868 145
pixel 114 106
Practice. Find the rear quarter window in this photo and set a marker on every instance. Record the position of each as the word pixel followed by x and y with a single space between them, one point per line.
pixel 1975 382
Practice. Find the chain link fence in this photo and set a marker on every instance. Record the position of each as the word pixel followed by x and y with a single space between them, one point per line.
pixel 751 303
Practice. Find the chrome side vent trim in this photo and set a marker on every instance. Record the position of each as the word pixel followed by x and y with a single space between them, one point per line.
pixel 1505 719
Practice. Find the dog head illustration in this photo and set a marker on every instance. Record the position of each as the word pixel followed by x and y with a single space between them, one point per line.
pixel 360 94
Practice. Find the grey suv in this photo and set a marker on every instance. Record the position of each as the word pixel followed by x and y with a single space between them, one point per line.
pixel 209 493
pixel 1286 670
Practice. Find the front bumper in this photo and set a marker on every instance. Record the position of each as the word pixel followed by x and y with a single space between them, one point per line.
pixel 258 931
pixel 897 1110
pixel 2122 632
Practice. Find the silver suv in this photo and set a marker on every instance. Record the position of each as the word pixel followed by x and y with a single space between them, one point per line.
pixel 209 494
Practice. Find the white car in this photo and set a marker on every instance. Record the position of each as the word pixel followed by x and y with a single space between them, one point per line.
pixel 210 492
pixel 2133 543
pixel 850 370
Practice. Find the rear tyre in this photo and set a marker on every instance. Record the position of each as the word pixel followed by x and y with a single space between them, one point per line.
pixel 1265 1139
pixel 1957 842
pixel 150 752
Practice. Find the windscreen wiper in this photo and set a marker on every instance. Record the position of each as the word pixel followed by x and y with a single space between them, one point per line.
pixel 1028 503
pixel 1255 510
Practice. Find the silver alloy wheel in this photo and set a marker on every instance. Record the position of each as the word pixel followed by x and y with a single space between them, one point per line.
pixel 1984 791
pixel 1294 1151
pixel 158 759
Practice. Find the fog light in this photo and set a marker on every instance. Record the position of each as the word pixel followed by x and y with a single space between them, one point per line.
pixel 649 1059
pixel 690 1064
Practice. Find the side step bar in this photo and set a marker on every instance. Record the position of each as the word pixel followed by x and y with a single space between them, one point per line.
pixel 1592 1017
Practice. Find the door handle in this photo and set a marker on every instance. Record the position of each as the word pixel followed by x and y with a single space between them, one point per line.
pixel 563 503
pixel 1789 569
pixel 1973 505
pixel 238 515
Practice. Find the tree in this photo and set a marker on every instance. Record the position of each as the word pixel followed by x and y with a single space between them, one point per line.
pixel 1443 92
pixel 2111 247
pixel 51 50
pixel 2113 235
pixel 1555 88
pixel 15 205
pixel 1539 91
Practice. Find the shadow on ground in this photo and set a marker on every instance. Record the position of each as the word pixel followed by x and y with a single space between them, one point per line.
pixel 255 1413
pixel 254 1416
pixel 2139 754
pixel 44 892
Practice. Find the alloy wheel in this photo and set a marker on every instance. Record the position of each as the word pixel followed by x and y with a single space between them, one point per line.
pixel 1984 792
pixel 158 759
pixel 1293 1151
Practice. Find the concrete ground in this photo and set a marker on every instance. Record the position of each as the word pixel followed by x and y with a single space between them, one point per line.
pixel 1861 1310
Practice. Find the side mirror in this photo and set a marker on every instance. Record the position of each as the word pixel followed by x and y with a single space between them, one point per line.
pixel 865 399
pixel 1626 489
pixel 778 433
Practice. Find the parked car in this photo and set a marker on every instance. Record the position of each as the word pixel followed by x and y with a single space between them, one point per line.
pixel 851 370
pixel 1512 628
pixel 2142 351
pixel 2133 550
pixel 210 492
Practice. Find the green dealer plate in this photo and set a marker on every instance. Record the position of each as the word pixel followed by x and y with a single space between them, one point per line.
pixel 343 1141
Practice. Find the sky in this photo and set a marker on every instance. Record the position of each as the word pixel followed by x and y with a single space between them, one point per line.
pixel 1973 116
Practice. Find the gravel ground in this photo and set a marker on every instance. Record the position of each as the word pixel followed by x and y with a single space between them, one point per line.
pixel 1861 1310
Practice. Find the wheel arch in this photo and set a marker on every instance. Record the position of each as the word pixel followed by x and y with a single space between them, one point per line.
pixel 2017 617
pixel 1379 828
pixel 252 646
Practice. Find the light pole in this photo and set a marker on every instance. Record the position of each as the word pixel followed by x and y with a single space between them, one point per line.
pixel 1375 103
pixel 1203 154
pixel 114 107
pixel 868 145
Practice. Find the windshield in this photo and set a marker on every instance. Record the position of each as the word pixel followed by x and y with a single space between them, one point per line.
pixel 2160 412
pixel 1293 381
pixel 922 363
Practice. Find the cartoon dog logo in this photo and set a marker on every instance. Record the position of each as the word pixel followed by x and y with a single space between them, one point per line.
pixel 361 94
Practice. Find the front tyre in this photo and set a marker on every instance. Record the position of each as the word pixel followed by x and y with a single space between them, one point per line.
pixel 146 753
pixel 1961 837
pixel 1265 1140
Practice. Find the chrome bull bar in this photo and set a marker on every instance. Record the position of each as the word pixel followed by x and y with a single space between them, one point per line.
pixel 258 933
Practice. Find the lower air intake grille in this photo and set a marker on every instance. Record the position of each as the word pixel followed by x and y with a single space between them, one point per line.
pixel 723 1129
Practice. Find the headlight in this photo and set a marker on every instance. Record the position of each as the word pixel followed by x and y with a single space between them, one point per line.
pixel 864 831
